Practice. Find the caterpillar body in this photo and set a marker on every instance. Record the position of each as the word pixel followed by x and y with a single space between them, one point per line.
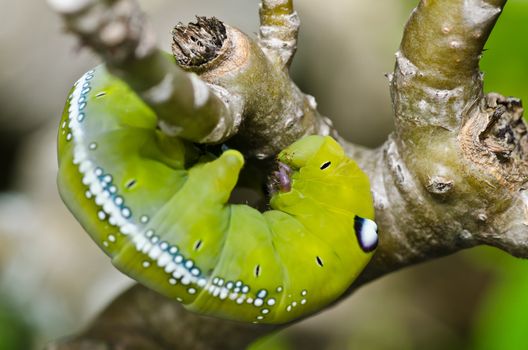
pixel 159 208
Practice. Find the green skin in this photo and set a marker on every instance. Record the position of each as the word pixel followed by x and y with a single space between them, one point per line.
pixel 159 208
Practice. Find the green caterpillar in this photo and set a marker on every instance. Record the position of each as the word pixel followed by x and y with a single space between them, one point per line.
pixel 158 207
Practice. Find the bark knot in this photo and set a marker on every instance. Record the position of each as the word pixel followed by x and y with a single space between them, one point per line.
pixel 439 185
pixel 495 137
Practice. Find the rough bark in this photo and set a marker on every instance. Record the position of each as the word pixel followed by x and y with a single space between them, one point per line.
pixel 451 177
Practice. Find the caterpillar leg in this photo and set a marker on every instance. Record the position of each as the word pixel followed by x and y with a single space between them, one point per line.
pixel 177 250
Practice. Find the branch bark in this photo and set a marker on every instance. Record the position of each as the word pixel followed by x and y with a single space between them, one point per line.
pixel 279 27
pixel 119 33
pixel 451 177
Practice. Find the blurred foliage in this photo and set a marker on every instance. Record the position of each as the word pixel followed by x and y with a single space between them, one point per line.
pixel 505 59
pixel 15 334
pixel 272 342
pixel 502 322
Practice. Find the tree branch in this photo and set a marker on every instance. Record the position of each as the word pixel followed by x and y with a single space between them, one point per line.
pixel 451 177
pixel 279 27
pixel 275 111
pixel 143 319
pixel 119 33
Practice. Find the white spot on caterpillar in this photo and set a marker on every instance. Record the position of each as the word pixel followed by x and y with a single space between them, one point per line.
pixel 146 264
pixel 249 300
pixel 367 233
pixel 265 311
pixel 245 289
pixel 83 167
pixel 191 290
pixel 289 308
pixel 262 293
pixel 303 301
pixel 178 273
pixel 126 212
pixel 101 215
pixel 186 280
pixel 202 282
pixel 260 317
pixel 279 289
pixel 118 200
pixel 224 293
pixel 88 194
pixel 170 267
pixel 271 302
pixel 172 281
pixel 144 219
pixel 69 137
pixel 294 304
pixel 258 302
pixel 149 233
pixel 240 300
pixel 140 242
pixel 105 243
pixel 146 247
pixel 127 228
pixel 112 238
pixel 304 292
pixel 155 252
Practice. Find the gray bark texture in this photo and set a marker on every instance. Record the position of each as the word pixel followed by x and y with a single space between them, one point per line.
pixel 452 175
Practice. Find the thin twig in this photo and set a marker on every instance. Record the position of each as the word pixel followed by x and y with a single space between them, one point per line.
pixel 279 27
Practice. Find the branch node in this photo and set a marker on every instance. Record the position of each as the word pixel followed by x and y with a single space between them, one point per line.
pixel 439 185
pixel 196 44
pixel 496 138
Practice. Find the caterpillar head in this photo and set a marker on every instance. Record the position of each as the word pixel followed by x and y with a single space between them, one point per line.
pixel 317 168
pixel 314 150
pixel 316 157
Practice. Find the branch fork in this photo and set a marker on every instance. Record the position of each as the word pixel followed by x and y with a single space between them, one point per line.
pixel 457 161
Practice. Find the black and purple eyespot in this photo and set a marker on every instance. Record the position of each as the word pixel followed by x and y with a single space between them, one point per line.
pixel 366 233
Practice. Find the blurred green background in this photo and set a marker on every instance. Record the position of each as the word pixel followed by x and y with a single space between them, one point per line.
pixel 53 280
